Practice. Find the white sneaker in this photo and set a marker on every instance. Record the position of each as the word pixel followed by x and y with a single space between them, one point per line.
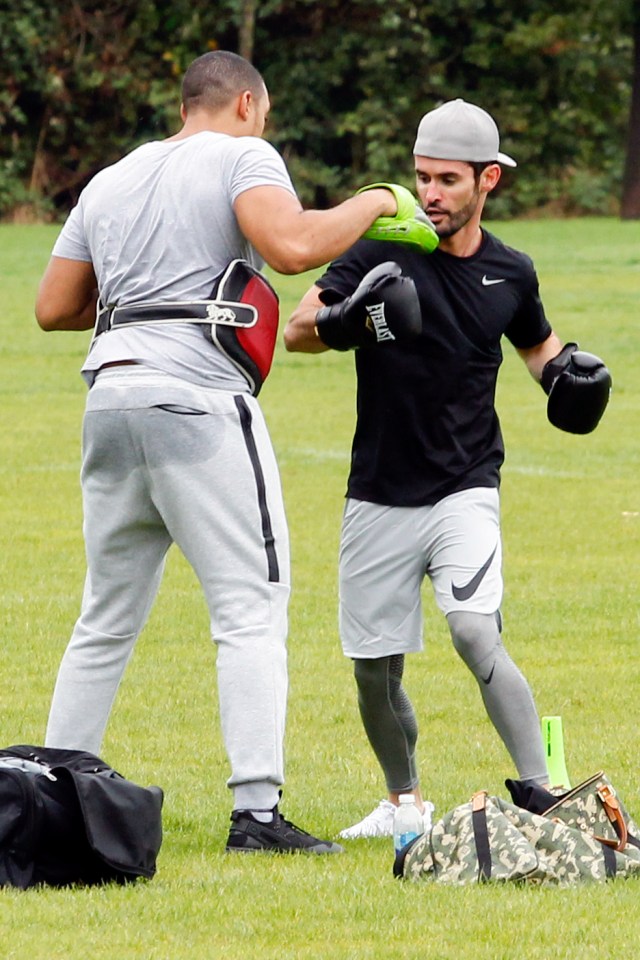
pixel 379 823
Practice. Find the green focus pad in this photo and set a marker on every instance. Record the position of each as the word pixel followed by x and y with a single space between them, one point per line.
pixel 412 233
pixel 410 226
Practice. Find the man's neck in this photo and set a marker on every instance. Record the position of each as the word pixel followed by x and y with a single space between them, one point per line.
pixel 202 121
pixel 463 243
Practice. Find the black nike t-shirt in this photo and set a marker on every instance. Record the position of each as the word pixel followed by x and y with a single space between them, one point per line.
pixel 426 420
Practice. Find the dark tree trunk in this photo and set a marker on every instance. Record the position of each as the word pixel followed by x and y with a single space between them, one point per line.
pixel 247 29
pixel 630 205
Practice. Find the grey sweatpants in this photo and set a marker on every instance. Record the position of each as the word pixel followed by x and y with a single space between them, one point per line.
pixel 195 467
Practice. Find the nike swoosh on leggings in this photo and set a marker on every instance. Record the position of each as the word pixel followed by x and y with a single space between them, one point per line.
pixel 487 680
pixel 467 590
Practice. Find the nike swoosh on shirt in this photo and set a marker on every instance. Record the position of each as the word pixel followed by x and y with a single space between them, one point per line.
pixel 467 590
pixel 486 282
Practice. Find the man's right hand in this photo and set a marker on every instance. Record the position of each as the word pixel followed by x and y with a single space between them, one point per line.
pixel 409 225
pixel 383 307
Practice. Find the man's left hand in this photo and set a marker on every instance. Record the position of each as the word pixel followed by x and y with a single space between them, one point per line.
pixel 578 385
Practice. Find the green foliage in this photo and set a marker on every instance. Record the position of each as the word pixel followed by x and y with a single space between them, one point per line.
pixel 362 73
pixel 84 82
pixel 571 523
pixel 88 81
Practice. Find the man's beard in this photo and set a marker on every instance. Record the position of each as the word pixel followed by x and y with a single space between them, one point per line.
pixel 455 221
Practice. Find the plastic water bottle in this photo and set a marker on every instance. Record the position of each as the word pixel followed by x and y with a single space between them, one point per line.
pixel 408 822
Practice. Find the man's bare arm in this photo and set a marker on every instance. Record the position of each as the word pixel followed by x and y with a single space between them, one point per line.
pixel 536 357
pixel 67 295
pixel 300 334
pixel 292 239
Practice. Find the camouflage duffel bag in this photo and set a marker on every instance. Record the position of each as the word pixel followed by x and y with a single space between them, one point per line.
pixel 594 805
pixel 492 840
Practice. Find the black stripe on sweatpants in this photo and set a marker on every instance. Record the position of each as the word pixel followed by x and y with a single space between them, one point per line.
pixel 267 532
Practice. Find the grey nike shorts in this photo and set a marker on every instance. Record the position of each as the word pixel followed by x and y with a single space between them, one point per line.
pixel 386 552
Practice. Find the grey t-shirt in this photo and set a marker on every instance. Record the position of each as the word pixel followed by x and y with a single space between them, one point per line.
pixel 159 225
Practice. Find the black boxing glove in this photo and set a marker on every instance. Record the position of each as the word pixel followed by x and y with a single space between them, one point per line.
pixel 578 385
pixel 384 307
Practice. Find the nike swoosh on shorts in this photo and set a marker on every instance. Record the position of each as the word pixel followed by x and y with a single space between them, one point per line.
pixel 467 590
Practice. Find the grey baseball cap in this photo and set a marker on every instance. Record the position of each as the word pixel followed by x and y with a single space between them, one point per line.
pixel 460 131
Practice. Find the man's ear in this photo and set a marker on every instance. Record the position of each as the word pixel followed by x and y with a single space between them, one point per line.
pixel 183 112
pixel 489 177
pixel 245 103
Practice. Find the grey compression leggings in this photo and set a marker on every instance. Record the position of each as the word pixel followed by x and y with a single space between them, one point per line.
pixel 388 719
pixel 390 722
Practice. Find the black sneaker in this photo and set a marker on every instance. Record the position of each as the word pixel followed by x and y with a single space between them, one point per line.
pixel 248 835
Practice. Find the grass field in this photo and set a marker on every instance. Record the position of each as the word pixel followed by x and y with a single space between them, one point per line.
pixel 571 523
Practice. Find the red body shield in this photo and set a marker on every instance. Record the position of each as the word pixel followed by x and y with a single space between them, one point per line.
pixel 249 347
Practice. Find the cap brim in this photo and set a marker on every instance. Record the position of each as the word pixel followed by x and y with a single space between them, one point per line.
pixel 506 160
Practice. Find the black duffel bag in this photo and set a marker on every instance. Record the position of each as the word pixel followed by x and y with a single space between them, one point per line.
pixel 67 817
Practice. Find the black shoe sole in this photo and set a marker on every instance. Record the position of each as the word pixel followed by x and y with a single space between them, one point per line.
pixel 248 835
pixel 334 848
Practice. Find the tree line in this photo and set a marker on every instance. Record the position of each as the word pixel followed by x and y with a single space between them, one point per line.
pixel 83 82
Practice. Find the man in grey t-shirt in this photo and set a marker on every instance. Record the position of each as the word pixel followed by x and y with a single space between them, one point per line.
pixel 175 448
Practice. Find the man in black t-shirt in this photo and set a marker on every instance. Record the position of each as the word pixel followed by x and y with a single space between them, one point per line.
pixel 422 496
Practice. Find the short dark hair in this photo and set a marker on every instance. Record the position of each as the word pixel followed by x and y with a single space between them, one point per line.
pixel 215 78
pixel 479 166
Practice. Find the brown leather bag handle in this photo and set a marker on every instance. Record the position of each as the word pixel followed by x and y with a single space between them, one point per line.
pixel 614 813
